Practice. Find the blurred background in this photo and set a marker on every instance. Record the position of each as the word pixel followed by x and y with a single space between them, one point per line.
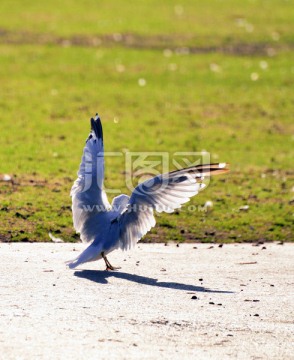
pixel 164 76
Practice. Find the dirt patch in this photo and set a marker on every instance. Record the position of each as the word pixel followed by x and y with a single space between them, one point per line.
pixel 180 44
pixel 4 238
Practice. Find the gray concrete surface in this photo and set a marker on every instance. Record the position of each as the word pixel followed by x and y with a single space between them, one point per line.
pixel 243 310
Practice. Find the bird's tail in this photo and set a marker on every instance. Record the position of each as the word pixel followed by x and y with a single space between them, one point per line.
pixel 72 263
pixel 91 253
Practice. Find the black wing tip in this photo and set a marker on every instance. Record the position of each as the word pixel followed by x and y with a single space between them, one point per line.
pixel 96 126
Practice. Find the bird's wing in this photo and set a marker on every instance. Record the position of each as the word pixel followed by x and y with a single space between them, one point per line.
pixel 163 193
pixel 88 197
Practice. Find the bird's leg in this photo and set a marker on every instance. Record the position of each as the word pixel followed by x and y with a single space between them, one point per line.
pixel 107 263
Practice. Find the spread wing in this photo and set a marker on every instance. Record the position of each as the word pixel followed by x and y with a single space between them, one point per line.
pixel 163 193
pixel 88 197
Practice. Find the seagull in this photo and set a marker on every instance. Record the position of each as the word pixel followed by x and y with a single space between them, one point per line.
pixel 121 224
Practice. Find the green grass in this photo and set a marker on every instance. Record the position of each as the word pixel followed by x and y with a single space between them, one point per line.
pixel 190 102
pixel 213 22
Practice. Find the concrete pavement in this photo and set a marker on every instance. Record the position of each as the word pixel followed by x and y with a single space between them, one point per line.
pixel 195 301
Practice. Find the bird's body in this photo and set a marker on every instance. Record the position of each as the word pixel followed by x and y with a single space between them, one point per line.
pixel 123 223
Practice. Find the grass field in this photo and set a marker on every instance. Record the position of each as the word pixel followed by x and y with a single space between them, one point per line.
pixel 218 76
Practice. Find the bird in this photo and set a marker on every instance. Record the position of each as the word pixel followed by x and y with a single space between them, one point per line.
pixel 121 224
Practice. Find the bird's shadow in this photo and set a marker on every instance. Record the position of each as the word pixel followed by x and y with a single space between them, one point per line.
pixel 102 276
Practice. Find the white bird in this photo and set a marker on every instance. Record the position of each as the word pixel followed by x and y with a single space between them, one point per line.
pixel 123 223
